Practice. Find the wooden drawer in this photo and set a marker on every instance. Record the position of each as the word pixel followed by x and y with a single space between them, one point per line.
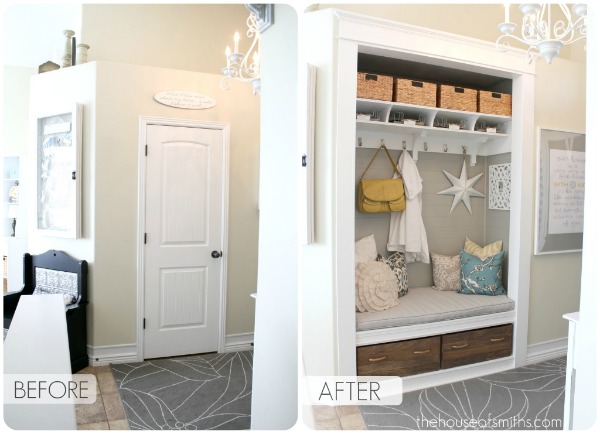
pixel 476 346
pixel 400 358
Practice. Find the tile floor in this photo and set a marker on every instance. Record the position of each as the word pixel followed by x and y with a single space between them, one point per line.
pixel 107 412
pixel 345 417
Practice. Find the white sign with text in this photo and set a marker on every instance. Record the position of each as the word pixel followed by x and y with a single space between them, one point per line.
pixel 566 192
pixel 185 100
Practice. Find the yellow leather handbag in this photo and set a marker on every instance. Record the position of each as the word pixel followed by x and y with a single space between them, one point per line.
pixel 381 195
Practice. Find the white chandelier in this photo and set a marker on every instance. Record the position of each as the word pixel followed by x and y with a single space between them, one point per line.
pixel 543 32
pixel 244 67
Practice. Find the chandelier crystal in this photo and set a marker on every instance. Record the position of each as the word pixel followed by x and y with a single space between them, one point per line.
pixel 542 31
pixel 244 67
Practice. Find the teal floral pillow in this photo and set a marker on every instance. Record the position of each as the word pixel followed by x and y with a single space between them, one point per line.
pixel 481 276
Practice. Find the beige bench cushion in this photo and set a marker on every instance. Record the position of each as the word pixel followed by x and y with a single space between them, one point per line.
pixel 425 305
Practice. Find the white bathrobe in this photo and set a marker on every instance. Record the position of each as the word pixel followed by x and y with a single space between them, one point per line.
pixel 407 231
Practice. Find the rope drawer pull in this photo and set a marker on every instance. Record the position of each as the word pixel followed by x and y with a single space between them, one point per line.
pixel 428 350
pixel 496 339
pixel 378 359
pixel 454 347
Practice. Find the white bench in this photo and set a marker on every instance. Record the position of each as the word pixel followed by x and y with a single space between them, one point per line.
pixel 37 343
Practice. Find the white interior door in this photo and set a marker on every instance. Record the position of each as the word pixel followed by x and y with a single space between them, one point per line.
pixel 183 272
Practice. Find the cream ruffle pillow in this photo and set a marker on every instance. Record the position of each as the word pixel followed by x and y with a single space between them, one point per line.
pixel 482 252
pixel 376 287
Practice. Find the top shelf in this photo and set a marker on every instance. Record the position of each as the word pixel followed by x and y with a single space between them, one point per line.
pixel 430 113
pixel 437 129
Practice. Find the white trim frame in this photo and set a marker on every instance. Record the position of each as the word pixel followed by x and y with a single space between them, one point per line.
pixel 144 122
pixel 337 100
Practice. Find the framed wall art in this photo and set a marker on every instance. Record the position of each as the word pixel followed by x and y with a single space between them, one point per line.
pixel 560 192
pixel 58 168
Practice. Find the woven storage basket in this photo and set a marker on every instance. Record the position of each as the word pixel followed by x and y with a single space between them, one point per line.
pixel 374 86
pixel 415 92
pixel 457 98
pixel 494 103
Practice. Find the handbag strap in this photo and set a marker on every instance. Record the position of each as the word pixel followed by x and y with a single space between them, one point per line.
pixel 389 157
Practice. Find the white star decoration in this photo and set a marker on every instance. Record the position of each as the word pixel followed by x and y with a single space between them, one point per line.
pixel 462 188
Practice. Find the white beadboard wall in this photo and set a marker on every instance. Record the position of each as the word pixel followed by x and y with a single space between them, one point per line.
pixel 445 232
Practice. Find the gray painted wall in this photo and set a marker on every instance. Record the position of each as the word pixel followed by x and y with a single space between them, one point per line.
pixel 446 231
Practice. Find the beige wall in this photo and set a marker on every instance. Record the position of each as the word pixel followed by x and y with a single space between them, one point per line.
pixel 130 89
pixel 114 97
pixel 559 104
pixel 560 97
pixel 178 37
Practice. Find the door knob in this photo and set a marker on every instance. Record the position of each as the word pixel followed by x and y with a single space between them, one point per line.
pixel 216 254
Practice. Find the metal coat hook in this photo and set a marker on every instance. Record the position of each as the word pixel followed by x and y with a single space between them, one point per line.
pixel 464 148
pixel 382 143
pixel 425 146
pixel 445 147
pixel 360 141
pixel 404 144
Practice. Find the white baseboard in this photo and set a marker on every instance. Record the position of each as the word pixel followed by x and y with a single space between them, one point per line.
pixel 104 355
pixel 541 352
pixel 239 342
pixel 128 353
pixel 112 354
pixel 452 375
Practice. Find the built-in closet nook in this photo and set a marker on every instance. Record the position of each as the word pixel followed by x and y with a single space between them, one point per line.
pixel 431 337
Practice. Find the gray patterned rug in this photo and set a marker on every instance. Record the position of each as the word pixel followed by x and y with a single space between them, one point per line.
pixel 211 391
pixel 525 398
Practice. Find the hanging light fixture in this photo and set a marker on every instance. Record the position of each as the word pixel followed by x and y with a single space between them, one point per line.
pixel 246 67
pixel 543 32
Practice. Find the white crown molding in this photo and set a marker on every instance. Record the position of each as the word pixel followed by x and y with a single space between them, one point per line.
pixel 516 55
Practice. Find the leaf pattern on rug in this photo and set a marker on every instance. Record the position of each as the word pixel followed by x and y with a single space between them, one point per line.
pixel 211 391
pixel 512 399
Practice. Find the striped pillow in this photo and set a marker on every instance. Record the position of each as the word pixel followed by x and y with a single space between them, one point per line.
pixel 482 252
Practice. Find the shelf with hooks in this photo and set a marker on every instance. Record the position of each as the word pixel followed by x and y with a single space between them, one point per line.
pixel 430 129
